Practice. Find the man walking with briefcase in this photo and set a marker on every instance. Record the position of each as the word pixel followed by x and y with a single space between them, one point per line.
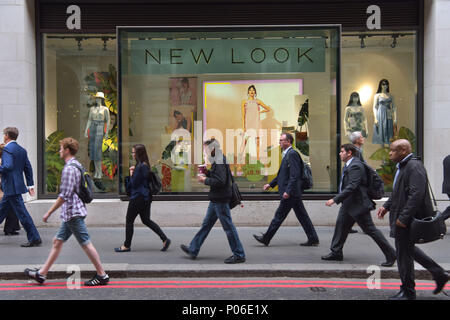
pixel 409 200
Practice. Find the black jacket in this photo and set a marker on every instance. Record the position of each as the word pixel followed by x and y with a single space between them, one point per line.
pixel 446 183
pixel 354 196
pixel 411 197
pixel 289 176
pixel 219 181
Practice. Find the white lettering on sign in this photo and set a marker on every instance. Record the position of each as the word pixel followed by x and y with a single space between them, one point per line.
pixel 74 20
pixel 374 21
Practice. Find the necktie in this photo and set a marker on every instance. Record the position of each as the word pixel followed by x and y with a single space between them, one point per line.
pixel 342 178
pixel 396 176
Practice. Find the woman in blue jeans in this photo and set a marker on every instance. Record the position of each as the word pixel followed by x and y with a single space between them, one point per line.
pixel 140 199
pixel 219 180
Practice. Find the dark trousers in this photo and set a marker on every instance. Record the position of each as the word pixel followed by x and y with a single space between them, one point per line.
pixel 140 206
pixel 407 252
pixel 16 203
pixel 446 213
pixel 283 210
pixel 345 222
pixel 11 222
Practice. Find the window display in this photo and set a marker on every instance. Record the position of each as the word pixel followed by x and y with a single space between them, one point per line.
pixel 243 88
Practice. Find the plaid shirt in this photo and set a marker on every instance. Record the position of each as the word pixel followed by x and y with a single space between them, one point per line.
pixel 70 182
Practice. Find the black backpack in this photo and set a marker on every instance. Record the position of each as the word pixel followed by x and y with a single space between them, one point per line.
pixel 86 192
pixel 375 185
pixel 307 179
pixel 154 182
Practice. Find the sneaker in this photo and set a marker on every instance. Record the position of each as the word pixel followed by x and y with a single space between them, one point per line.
pixel 34 274
pixel 234 259
pixel 97 281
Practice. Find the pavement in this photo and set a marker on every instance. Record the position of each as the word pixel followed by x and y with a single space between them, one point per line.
pixel 282 258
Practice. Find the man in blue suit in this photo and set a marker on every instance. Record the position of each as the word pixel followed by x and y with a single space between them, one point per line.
pixel 14 164
pixel 289 181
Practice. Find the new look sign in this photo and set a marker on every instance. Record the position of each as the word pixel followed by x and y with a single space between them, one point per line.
pixel 227 56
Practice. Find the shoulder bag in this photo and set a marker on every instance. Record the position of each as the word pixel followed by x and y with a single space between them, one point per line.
pixel 428 229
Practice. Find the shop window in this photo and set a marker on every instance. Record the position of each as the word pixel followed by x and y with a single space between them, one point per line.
pixel 379 88
pixel 181 87
pixel 80 101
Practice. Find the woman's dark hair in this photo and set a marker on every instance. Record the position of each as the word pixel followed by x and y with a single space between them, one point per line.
pixel 176 113
pixel 141 154
pixel 380 83
pixel 354 94
pixel 254 88
pixel 185 80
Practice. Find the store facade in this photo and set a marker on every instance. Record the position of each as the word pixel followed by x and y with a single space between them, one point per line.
pixel 174 74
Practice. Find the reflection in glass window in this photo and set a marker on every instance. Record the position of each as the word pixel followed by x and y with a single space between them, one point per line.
pixel 81 102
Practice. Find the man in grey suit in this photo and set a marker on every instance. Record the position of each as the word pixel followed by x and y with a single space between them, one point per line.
pixel 356 206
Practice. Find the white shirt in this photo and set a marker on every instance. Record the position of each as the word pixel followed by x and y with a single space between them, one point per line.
pixel 285 151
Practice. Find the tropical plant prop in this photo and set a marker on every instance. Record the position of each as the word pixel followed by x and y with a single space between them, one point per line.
pixel 53 163
pixel 388 167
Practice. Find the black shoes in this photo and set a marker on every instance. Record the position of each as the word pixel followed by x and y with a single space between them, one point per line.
pixel 310 244
pixel 188 252
pixel 261 239
pixel 234 259
pixel 12 233
pixel 97 281
pixel 36 243
pixel 402 295
pixel 440 282
pixel 389 262
pixel 166 245
pixel 353 231
pixel 120 249
pixel 35 275
pixel 333 256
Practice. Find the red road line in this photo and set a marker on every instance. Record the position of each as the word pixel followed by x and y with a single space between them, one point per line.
pixel 231 286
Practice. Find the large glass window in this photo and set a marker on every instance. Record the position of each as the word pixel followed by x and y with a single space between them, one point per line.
pixel 379 88
pixel 181 87
pixel 80 101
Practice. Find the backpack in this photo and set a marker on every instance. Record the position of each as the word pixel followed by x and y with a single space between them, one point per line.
pixel 307 179
pixel 86 192
pixel 375 185
pixel 154 183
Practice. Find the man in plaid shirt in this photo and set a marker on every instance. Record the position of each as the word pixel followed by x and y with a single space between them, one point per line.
pixel 72 215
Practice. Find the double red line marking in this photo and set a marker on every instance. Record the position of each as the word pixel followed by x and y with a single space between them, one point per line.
pixel 223 284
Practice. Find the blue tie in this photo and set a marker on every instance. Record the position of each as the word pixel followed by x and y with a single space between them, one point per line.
pixel 342 178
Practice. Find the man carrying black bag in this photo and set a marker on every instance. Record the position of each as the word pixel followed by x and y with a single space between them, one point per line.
pixel 409 199
pixel 219 179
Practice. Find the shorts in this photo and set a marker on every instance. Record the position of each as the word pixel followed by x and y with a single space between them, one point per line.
pixel 77 227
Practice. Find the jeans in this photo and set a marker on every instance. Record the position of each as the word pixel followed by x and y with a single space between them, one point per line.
pixel 140 206
pixel 77 227
pixel 16 203
pixel 221 211
pixel 283 210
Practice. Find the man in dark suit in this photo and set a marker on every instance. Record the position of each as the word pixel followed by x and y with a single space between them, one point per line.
pixel 14 164
pixel 446 184
pixel 289 181
pixel 410 198
pixel 356 206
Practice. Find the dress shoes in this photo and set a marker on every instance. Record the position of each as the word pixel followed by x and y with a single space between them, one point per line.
pixel 261 240
pixel 353 231
pixel 310 244
pixel 389 262
pixel 12 233
pixel 440 282
pixel 36 243
pixel 333 256
pixel 402 295
pixel 188 252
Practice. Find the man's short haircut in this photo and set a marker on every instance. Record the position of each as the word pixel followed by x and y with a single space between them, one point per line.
pixel 355 136
pixel 11 132
pixel 71 144
pixel 349 147
pixel 289 137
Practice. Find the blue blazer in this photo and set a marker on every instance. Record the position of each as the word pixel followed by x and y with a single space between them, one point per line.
pixel 14 164
pixel 289 176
